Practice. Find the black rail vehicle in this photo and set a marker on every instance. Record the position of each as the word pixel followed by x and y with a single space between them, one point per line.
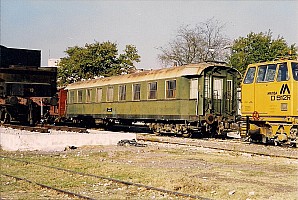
pixel 26 89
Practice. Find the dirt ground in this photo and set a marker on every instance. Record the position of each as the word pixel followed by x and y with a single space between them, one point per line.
pixel 212 174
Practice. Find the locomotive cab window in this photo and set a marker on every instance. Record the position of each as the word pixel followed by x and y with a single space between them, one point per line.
pixel 270 74
pixel 122 93
pixel 88 95
pixel 152 87
pixel 249 78
pixel 283 74
pixel 261 73
pixel 171 89
pixel 295 71
pixel 80 96
pixel 110 93
pixel 136 92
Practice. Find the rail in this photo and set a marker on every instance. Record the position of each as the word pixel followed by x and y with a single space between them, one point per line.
pixel 220 148
pixel 111 179
pixel 49 187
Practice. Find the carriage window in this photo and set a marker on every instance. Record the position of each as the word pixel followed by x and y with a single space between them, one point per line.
pixel 122 92
pixel 80 96
pixel 194 88
pixel 270 73
pixel 71 97
pixel 98 94
pixel 283 74
pixel 295 71
pixel 136 92
pixel 171 89
pixel 249 78
pixel 110 93
pixel 88 95
pixel 152 90
pixel 261 73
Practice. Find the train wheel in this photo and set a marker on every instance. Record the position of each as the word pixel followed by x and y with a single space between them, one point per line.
pixel 294 145
pixel 7 118
pixel 2 115
pixel 264 140
pixel 157 131
pixel 187 134
pixel 276 143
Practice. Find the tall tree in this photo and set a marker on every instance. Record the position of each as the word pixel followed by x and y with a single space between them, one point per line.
pixel 205 41
pixel 259 47
pixel 94 60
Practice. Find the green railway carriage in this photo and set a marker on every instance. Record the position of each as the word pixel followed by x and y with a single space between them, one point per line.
pixel 178 100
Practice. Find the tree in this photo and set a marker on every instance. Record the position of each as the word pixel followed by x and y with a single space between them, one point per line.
pixel 259 47
pixel 193 45
pixel 95 60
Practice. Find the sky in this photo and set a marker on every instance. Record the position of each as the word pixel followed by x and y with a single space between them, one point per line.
pixel 53 25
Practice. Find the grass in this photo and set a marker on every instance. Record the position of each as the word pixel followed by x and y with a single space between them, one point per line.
pixel 212 175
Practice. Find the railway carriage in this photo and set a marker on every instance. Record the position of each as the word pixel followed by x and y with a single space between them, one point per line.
pixel 270 101
pixel 196 98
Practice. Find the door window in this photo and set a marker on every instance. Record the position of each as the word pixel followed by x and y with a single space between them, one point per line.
pixel 218 88
pixel 194 88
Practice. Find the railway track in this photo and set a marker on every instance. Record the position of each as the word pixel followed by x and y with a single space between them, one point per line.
pixel 147 187
pixel 230 146
pixel 236 146
pixel 71 194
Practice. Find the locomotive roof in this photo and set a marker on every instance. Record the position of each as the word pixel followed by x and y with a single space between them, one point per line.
pixel 273 62
pixel 165 73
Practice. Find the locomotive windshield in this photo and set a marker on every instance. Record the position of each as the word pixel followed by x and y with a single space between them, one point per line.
pixel 283 74
pixel 270 73
pixel 249 78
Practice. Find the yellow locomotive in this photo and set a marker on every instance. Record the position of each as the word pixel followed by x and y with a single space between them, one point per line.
pixel 270 101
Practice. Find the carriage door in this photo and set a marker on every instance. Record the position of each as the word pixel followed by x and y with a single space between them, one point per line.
pixel 217 99
pixel 194 94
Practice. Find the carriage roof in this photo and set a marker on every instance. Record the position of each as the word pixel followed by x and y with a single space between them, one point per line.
pixel 165 73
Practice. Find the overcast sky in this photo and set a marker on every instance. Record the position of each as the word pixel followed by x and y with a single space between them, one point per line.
pixel 52 26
